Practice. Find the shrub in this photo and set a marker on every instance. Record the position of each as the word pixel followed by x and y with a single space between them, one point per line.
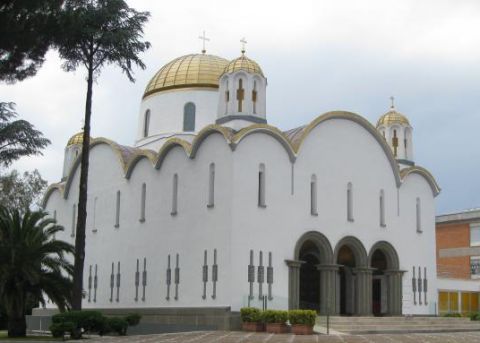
pixel 133 319
pixel 60 329
pixel 452 315
pixel 250 315
pixel 474 316
pixel 305 317
pixel 275 316
pixel 118 325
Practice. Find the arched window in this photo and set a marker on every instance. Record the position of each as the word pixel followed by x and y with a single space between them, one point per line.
pixel 142 202
pixel 254 97
pixel 117 210
pixel 146 123
pixel 313 195
pixel 227 97
pixel 74 217
pixel 350 202
pixel 95 214
pixel 189 117
pixel 419 215
pixel 261 186
pixel 382 208
pixel 395 143
pixel 174 195
pixel 211 185
pixel 240 95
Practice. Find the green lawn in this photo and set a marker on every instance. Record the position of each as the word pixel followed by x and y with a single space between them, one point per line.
pixel 4 337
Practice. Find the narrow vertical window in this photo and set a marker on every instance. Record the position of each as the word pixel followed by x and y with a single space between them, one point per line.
pixel 382 208
pixel 313 196
pixel 227 97
pixel 95 214
pixel 240 95
pixel 211 185
pixel 395 143
pixel 174 195
pixel 189 117
pixel 350 202
pixel 142 202
pixel 74 217
pixel 261 186
pixel 254 97
pixel 117 210
pixel 419 215
pixel 146 123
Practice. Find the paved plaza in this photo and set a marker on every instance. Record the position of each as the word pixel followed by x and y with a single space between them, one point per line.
pixel 242 337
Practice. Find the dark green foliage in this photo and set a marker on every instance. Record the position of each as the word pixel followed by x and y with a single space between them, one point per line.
pixel 275 316
pixel 17 137
pixel 305 317
pixel 32 263
pixel 452 315
pixel 133 319
pixel 22 191
pixel 250 315
pixel 60 329
pixel 474 315
pixel 96 33
pixel 118 325
pixel 27 29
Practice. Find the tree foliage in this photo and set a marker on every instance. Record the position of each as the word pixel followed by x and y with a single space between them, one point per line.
pixel 17 137
pixel 96 33
pixel 22 192
pixel 32 263
pixel 27 31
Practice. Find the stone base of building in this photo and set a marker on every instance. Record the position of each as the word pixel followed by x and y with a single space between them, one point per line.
pixel 157 320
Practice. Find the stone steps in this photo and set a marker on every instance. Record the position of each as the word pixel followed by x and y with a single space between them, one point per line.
pixel 368 325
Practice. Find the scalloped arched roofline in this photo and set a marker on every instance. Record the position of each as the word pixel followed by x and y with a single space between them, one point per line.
pixel 59 187
pixel 425 174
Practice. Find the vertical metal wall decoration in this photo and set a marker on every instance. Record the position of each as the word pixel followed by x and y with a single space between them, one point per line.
pixel 419 288
pixel 260 275
pixel 214 274
pixel 205 275
pixel 112 281
pixel 270 276
pixel 90 284
pixel 118 282
pixel 251 275
pixel 177 275
pixel 95 284
pixel 414 287
pixel 169 278
pixel 425 284
pixel 144 278
pixel 137 280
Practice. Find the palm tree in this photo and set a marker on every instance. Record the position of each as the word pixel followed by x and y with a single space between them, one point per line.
pixel 32 264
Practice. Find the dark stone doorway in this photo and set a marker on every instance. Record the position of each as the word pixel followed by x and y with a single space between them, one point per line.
pixel 309 277
pixel 379 284
pixel 346 259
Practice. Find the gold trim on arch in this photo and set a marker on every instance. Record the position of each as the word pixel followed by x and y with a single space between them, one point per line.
pixel 422 172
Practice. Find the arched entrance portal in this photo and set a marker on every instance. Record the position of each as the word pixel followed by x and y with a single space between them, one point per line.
pixel 309 277
pixel 346 260
pixel 386 280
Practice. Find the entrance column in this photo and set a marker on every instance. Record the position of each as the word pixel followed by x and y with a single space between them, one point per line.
pixel 363 295
pixel 293 283
pixel 394 281
pixel 328 288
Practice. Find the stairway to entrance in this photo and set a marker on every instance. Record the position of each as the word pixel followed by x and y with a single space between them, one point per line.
pixel 372 325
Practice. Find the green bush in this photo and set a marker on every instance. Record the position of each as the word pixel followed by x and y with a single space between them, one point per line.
pixel 133 319
pixel 83 321
pixel 250 314
pixel 118 325
pixel 274 316
pixel 452 315
pixel 60 329
pixel 305 317
pixel 474 316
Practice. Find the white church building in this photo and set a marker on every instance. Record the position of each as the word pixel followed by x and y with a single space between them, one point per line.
pixel 213 209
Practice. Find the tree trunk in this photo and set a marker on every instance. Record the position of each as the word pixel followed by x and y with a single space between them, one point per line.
pixel 82 200
pixel 17 327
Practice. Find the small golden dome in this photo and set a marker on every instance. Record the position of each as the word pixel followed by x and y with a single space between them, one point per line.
pixel 76 139
pixel 243 63
pixel 195 70
pixel 392 117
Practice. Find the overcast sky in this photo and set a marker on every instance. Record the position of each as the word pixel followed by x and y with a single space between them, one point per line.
pixel 318 56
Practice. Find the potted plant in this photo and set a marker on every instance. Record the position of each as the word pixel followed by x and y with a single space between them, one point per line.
pixel 302 321
pixel 276 321
pixel 251 319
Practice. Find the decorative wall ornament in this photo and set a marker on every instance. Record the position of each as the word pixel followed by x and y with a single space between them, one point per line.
pixel 214 274
pixel 419 288
pixel 251 275
pixel 118 282
pixel 260 275
pixel 414 287
pixel 168 279
pixel 144 278
pixel 425 284
pixel 177 275
pixel 95 284
pixel 270 276
pixel 90 284
pixel 205 275
pixel 137 281
pixel 112 281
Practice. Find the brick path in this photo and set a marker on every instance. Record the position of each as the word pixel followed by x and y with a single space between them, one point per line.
pixel 242 337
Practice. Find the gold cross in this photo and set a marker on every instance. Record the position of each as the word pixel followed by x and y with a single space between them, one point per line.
pixel 243 41
pixel 204 39
pixel 392 99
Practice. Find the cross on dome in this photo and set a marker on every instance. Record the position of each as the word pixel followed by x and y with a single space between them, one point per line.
pixel 204 39
pixel 243 41
pixel 392 99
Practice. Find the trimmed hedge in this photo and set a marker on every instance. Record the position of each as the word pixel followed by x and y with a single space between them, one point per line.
pixel 275 316
pixel 452 315
pixel 305 317
pixel 250 315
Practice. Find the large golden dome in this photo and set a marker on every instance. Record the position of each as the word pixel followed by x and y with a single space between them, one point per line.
pixel 392 117
pixel 195 70
pixel 76 139
pixel 243 63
